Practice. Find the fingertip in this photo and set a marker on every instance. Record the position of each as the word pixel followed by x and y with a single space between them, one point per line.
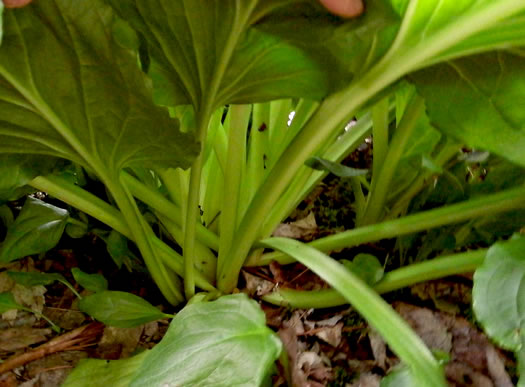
pixel 16 3
pixel 344 8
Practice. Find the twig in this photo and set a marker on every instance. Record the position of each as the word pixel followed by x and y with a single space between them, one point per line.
pixel 75 339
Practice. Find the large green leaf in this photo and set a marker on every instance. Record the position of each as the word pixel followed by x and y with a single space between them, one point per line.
pixel 104 373
pixel 37 229
pixel 473 25
pixel 499 296
pixel 474 99
pixel 229 51
pixel 220 343
pixel 498 293
pixel 68 90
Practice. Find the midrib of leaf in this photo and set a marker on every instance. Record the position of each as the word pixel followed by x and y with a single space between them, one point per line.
pixel 112 159
pixel 92 136
pixel 43 141
pixel 477 90
pixel 226 95
pixel 454 32
pixel 49 115
pixel 240 24
pixel 35 99
pixel 19 103
pixel 164 45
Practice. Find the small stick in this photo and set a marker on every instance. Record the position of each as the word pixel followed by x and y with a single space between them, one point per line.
pixel 75 339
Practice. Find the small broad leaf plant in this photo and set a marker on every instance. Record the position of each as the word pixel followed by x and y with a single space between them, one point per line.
pixel 205 117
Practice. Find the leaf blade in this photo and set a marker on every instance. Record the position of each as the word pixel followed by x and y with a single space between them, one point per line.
pixel 120 309
pixel 220 343
pixel 37 229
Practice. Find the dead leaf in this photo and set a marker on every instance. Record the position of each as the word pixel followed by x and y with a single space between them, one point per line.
pixel 431 329
pixel 378 346
pixel 278 273
pixel 257 285
pixel 31 297
pixel 462 375
pixel 496 368
pixel 331 334
pixel 119 343
pixel 329 321
pixel 291 345
pixel 474 359
pixel 6 282
pixel 12 339
pixel 446 295
pixel 52 370
pixel 308 360
pixel 304 229
pixel 8 379
pixel 322 374
pixel 367 380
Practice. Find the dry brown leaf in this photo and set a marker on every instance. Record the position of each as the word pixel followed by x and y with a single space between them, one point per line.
pixel 304 229
pixel 430 328
pixel 291 345
pixel 378 346
pixel 367 380
pixel 459 374
pixel 257 285
pixel 12 339
pixel 496 367
pixel 119 343
pixel 331 334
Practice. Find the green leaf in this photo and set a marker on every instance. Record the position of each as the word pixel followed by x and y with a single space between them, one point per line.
pixel 400 377
pixel 240 52
pixel 76 230
pixel 7 302
pixel 220 343
pixel 498 295
pixel 506 33
pixel 472 26
pixel 67 89
pixel 17 170
pixel 419 145
pixel 37 229
pixel 120 309
pixel 6 215
pixel 35 278
pixel 367 267
pixel 394 330
pixel 474 100
pixel 104 373
pixel 117 246
pixel 337 169
pixel 92 282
